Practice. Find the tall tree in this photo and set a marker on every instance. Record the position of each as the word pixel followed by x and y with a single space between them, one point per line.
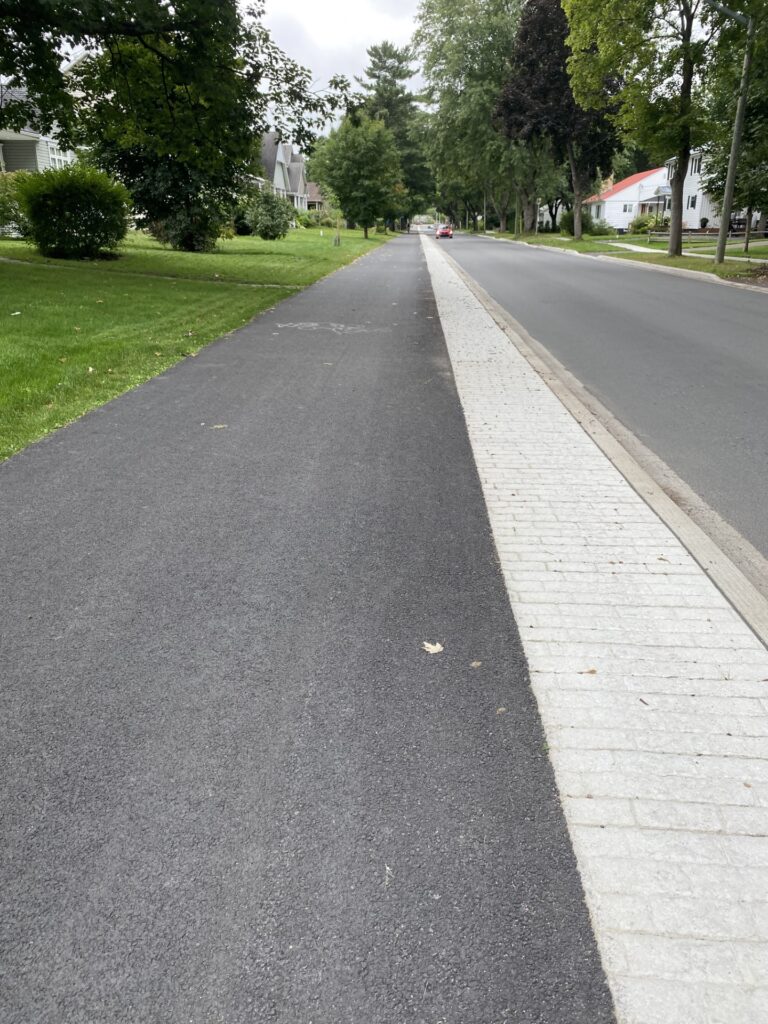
pixel 359 162
pixel 658 51
pixel 176 114
pixel 465 45
pixel 751 189
pixel 537 103
pixel 388 99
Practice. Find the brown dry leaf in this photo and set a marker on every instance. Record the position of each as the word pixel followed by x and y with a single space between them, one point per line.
pixel 588 672
pixel 434 648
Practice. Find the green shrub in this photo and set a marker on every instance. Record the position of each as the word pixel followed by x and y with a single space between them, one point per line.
pixel 12 219
pixel 566 222
pixel 270 215
pixel 193 228
pixel 74 212
pixel 601 227
pixel 641 223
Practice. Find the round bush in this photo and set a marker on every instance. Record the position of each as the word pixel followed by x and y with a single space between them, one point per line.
pixel 270 215
pixel 74 212
pixel 193 228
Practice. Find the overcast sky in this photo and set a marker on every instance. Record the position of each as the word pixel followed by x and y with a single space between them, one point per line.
pixel 331 36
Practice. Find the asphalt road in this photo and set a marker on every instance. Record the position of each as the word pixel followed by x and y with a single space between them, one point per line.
pixel 682 363
pixel 234 786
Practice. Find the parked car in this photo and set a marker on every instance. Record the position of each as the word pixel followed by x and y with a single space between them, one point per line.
pixel 444 231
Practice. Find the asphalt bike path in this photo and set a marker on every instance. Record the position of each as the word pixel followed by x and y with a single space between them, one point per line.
pixel 236 787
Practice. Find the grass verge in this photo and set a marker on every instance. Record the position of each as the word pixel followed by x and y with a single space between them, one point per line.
pixel 75 335
pixel 730 269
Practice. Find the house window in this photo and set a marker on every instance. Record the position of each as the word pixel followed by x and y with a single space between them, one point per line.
pixel 628 207
pixel 597 210
pixel 696 165
pixel 670 171
pixel 691 204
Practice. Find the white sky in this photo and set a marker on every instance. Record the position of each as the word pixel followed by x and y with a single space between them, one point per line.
pixel 331 36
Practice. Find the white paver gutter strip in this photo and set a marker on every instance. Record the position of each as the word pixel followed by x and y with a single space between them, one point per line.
pixel 653 693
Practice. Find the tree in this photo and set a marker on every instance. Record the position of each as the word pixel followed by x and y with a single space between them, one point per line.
pixel 387 99
pixel 751 190
pixel 537 103
pixel 359 162
pixel 465 46
pixel 168 98
pixel 657 52
pixel 36 36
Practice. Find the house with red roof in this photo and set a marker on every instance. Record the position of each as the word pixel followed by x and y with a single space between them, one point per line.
pixel 644 192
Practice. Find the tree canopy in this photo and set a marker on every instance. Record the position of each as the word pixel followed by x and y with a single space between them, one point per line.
pixel 360 163
pixel 537 103
pixel 657 52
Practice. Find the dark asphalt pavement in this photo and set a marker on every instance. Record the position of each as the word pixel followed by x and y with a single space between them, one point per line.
pixel 234 787
pixel 682 363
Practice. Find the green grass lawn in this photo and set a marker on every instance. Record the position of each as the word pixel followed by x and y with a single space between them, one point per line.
pixel 75 334
pixel 585 244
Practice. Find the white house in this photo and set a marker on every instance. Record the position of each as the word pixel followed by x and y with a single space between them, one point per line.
pixel 644 192
pixel 27 149
pixel 697 205
pixel 284 169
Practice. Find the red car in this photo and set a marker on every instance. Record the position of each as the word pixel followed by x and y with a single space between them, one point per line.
pixel 444 231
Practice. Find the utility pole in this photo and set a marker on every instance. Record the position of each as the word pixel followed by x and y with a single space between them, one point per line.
pixel 738 124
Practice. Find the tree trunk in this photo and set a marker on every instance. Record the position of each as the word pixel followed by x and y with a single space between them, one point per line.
pixel 530 211
pixel 365 231
pixel 684 150
pixel 748 229
pixel 578 192
pixel 503 222
pixel 553 210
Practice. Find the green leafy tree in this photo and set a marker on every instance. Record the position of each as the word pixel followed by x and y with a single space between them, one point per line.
pixel 537 103
pixel 388 99
pixel 657 51
pixel 359 162
pixel 751 188
pixel 168 99
pixel 465 47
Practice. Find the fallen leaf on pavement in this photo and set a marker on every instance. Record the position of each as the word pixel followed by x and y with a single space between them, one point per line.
pixel 588 672
pixel 475 664
pixel 500 711
pixel 432 648
pixel 218 426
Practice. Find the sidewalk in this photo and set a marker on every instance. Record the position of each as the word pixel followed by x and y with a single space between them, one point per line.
pixel 653 694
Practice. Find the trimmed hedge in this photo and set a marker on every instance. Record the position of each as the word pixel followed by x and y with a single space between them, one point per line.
pixel 74 212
